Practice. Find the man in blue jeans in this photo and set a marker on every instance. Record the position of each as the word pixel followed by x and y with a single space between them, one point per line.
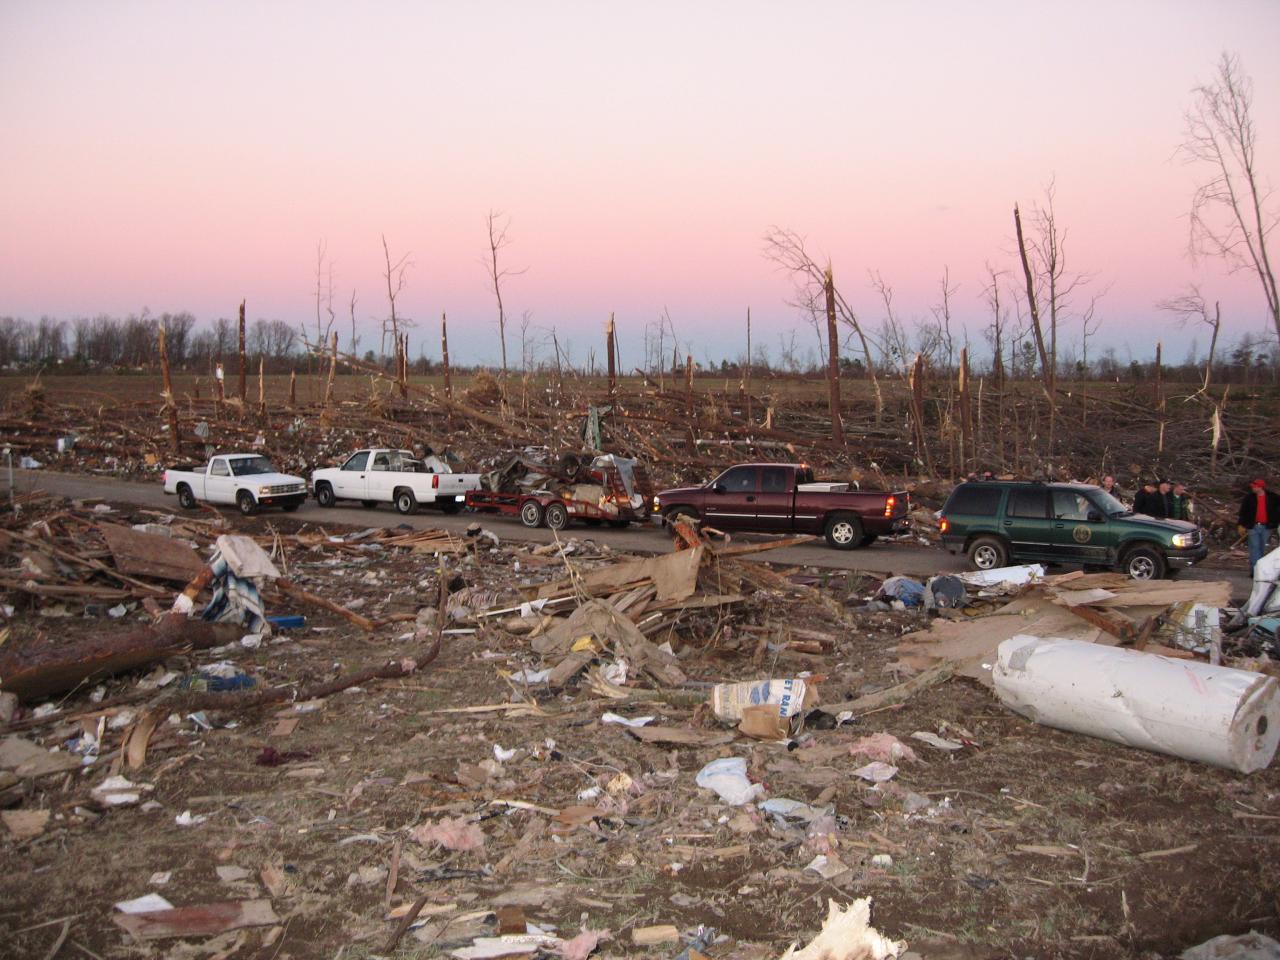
pixel 1259 517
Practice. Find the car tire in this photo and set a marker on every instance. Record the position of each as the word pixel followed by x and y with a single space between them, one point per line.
pixel 1144 563
pixel 246 504
pixel 324 495
pixel 405 502
pixel 988 553
pixel 531 513
pixel 556 516
pixel 369 504
pixel 844 531
pixel 186 499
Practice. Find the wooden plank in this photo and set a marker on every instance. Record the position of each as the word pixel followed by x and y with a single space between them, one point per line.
pixel 205 920
pixel 151 555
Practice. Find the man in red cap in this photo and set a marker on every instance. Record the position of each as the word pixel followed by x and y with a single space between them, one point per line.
pixel 1259 517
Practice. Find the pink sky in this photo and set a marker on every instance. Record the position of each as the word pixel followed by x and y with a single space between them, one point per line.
pixel 185 156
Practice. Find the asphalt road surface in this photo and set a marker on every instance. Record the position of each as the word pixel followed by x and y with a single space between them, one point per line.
pixel 912 560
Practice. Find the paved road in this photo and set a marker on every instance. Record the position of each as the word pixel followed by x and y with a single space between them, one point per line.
pixel 887 558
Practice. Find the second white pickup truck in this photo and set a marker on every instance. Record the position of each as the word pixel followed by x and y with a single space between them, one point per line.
pixel 246 479
pixel 383 475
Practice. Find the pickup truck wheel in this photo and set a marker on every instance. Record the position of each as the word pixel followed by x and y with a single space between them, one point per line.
pixel 450 506
pixel 186 499
pixel 368 504
pixel 844 531
pixel 557 516
pixel 405 501
pixel 531 513
pixel 246 504
pixel 324 495
pixel 1144 563
pixel 988 553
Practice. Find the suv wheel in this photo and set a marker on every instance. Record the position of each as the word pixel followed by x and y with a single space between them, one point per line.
pixel 844 531
pixel 1144 563
pixel 988 553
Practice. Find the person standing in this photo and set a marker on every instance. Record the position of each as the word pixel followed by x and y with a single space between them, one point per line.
pixel 1149 501
pixel 1183 507
pixel 1165 489
pixel 1259 517
pixel 1109 484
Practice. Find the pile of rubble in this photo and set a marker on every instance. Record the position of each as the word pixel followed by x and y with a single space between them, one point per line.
pixel 393 739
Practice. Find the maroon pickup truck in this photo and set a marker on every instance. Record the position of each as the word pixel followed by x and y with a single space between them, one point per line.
pixel 783 498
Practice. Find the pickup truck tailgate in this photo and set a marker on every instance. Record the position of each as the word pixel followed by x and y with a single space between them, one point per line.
pixel 454 484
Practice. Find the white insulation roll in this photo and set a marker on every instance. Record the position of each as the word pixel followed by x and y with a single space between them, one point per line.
pixel 1229 718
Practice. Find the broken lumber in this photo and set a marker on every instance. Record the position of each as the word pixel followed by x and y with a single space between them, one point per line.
pixel 38 670
pixel 289 588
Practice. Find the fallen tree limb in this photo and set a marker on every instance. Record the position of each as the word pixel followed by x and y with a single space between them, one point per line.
pixel 38 670
pixel 289 588
pixel 250 700
pixel 894 695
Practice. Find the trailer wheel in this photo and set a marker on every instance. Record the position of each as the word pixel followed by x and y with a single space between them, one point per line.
pixel 186 499
pixel 324 495
pixel 557 516
pixel 246 504
pixel 844 531
pixel 531 513
pixel 405 501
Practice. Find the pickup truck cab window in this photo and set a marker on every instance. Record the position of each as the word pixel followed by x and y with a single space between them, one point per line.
pixel 775 480
pixel 357 461
pixel 381 461
pixel 218 468
pixel 251 466
pixel 739 480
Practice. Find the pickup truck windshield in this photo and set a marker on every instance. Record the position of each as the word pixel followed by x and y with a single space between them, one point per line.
pixel 251 466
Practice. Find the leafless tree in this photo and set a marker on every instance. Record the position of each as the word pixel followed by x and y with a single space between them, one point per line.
pixel 497 241
pixel 1231 212
pixel 355 341
pixel 942 317
pixel 394 275
pixel 786 249
pixel 997 331
pixel 324 294
pixel 1193 306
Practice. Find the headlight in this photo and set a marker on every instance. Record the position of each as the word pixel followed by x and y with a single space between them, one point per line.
pixel 657 505
pixel 1183 539
pixel 264 490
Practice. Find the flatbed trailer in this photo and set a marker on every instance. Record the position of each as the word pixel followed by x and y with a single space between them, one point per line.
pixel 544 509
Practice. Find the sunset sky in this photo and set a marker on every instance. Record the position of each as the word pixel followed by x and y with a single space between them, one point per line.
pixel 183 156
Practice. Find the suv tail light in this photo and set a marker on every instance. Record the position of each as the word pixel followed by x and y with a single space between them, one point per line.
pixel 943 525
pixel 435 481
pixel 888 505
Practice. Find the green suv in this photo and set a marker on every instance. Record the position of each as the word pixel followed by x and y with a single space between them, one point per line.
pixel 997 522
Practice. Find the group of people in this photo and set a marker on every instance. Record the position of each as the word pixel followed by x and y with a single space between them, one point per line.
pixel 1159 498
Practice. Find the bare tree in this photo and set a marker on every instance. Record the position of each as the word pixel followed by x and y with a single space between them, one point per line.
pixel 1231 212
pixel 394 275
pixel 996 332
pixel 324 294
pixel 355 341
pixel 786 249
pixel 497 241
pixel 1193 306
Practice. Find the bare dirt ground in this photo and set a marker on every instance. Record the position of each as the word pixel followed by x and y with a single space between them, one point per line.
pixel 1026 842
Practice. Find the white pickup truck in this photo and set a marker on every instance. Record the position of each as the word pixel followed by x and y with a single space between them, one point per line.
pixel 246 479
pixel 382 475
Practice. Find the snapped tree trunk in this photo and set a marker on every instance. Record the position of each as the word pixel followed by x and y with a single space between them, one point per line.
pixel 243 366
pixel 610 346
pixel 833 359
pixel 170 404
